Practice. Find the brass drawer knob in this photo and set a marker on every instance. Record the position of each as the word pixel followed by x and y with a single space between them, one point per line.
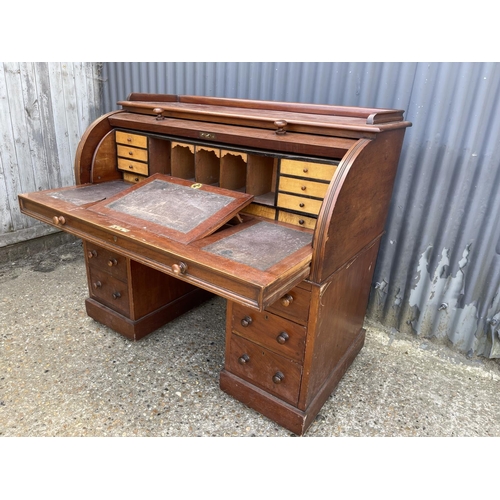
pixel 278 377
pixel 282 337
pixel 286 300
pixel 244 359
pixel 246 321
pixel 180 268
pixel 91 254
pixel 112 262
pixel 97 284
pixel 116 295
pixel 59 220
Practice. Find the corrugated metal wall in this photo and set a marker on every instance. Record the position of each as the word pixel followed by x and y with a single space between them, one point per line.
pixel 438 272
pixel 44 110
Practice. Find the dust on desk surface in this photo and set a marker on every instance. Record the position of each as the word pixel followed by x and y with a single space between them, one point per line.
pixel 83 195
pixel 171 205
pixel 260 246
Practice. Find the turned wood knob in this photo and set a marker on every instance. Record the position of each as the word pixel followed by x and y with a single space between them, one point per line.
pixel 303 188
pixel 97 284
pixel 281 124
pixel 112 262
pixel 59 220
pixel 117 295
pixel 286 300
pixel 282 337
pixel 180 268
pixel 91 254
pixel 278 377
pixel 244 359
pixel 301 221
pixel 247 320
pixel 158 112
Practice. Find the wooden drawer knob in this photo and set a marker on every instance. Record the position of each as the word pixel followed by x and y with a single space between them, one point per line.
pixel 91 254
pixel 180 268
pixel 112 262
pixel 97 284
pixel 286 300
pixel 246 321
pixel 116 295
pixel 280 124
pixel 278 377
pixel 282 337
pixel 244 359
pixel 59 220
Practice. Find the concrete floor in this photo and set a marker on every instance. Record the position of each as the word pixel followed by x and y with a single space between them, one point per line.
pixel 63 374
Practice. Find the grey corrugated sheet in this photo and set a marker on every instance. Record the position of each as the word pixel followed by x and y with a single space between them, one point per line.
pixel 438 272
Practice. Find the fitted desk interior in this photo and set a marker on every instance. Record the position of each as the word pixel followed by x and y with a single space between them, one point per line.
pixel 277 207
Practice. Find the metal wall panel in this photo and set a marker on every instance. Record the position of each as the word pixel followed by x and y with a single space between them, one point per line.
pixel 438 272
pixel 44 110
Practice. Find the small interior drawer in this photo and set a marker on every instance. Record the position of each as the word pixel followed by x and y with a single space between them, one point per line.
pixel 138 141
pixel 133 166
pixel 322 171
pixel 134 178
pixel 299 204
pixel 132 153
pixel 297 220
pixel 303 187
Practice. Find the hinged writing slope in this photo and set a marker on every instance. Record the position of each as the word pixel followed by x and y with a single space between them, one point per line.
pixel 255 276
pixel 176 208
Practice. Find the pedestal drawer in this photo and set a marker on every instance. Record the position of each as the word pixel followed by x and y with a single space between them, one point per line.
pixel 293 305
pixel 270 371
pixel 112 263
pixel 109 290
pixel 273 332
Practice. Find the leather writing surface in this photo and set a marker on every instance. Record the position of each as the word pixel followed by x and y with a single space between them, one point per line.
pixel 171 205
pixel 261 246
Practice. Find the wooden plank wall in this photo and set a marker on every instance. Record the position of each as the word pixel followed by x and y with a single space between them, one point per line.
pixel 44 110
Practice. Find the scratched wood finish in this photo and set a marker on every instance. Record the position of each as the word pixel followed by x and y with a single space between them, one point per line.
pixel 297 285
pixel 39 133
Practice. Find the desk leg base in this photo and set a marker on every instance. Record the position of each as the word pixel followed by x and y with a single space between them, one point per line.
pixel 137 329
pixel 282 413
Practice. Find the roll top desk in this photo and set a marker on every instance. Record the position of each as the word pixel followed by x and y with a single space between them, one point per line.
pixel 277 207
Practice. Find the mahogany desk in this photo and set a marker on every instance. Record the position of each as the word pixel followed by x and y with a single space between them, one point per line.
pixel 277 207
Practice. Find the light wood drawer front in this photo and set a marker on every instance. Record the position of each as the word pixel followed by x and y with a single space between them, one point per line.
pixel 132 166
pixel 297 220
pixel 132 153
pixel 129 177
pixel 273 332
pixel 272 372
pixel 107 261
pixel 139 141
pixel 308 169
pixel 303 187
pixel 294 305
pixel 260 210
pixel 109 290
pixel 299 204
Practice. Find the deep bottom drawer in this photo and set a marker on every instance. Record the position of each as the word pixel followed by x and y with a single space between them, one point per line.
pixel 109 290
pixel 270 371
